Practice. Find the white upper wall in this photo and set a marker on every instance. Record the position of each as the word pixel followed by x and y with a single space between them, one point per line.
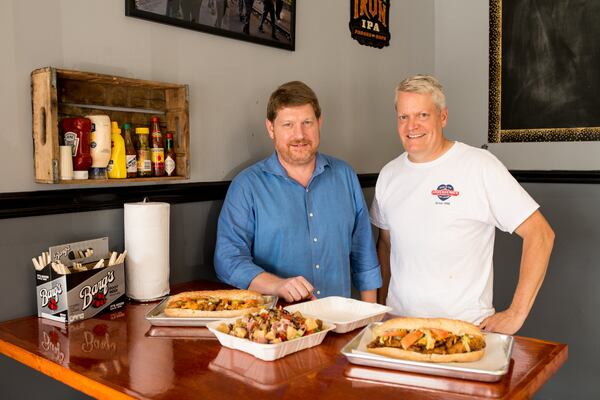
pixel 229 80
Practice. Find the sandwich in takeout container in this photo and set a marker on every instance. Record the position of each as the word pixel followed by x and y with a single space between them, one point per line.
pixel 270 334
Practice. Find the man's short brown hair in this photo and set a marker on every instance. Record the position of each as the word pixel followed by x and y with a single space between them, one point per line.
pixel 292 94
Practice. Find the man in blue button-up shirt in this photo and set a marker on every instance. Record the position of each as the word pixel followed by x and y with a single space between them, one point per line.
pixel 296 225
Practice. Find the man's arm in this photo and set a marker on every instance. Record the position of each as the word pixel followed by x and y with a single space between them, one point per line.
pixel 369 296
pixel 366 272
pixel 233 258
pixel 538 239
pixel 383 253
pixel 290 289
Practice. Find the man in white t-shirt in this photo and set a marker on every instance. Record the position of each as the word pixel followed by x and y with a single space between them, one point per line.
pixel 437 207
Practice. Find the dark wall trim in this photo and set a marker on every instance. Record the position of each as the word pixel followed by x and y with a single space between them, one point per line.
pixel 48 202
pixel 556 176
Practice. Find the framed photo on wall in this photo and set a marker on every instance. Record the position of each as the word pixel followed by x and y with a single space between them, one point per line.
pixel 267 22
pixel 543 79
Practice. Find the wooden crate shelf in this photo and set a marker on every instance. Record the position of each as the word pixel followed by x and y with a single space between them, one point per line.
pixel 58 93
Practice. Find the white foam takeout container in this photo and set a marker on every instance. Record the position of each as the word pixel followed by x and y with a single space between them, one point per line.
pixel 268 352
pixel 346 314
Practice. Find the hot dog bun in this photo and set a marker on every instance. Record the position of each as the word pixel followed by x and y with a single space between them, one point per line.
pixel 455 327
pixel 172 310
pixel 436 358
pixel 451 325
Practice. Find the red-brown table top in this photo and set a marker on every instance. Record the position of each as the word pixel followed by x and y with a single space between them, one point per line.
pixel 120 355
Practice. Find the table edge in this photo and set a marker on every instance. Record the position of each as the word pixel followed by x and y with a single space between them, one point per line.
pixel 62 374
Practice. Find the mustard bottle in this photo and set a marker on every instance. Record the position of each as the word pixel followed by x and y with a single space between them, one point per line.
pixel 117 166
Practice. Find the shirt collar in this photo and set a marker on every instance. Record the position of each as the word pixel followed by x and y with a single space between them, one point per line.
pixel 273 166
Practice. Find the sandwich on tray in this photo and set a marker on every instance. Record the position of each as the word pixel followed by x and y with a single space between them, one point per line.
pixel 428 339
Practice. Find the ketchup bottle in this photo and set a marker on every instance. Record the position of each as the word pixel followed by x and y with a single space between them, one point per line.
pixel 76 133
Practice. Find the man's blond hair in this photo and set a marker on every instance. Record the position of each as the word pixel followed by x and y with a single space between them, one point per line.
pixel 422 84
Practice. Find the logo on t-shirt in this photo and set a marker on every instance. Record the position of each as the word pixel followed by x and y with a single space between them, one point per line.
pixel 444 192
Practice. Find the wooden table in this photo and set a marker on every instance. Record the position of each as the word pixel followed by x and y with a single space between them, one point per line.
pixel 121 356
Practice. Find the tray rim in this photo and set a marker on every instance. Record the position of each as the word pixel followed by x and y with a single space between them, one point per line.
pixel 155 320
pixel 453 370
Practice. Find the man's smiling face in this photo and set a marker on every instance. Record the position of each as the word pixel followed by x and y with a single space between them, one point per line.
pixel 420 126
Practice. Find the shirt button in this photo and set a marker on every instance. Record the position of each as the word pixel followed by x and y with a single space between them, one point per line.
pixel 307 190
pixel 315 239
pixel 310 214
pixel 318 292
pixel 317 266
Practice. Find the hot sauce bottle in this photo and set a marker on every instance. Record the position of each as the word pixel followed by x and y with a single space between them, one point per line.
pixel 157 149
pixel 170 157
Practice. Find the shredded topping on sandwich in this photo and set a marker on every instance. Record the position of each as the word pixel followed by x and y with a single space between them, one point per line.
pixel 213 304
pixel 272 326
pixel 429 341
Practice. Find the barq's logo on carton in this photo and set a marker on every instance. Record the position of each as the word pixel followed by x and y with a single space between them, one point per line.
pixel 50 294
pixel 97 292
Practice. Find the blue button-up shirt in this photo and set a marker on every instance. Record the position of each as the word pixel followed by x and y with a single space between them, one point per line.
pixel 269 222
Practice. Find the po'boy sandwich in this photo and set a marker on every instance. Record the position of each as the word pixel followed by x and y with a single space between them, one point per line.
pixel 428 339
pixel 214 303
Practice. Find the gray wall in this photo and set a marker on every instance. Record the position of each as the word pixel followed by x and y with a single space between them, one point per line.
pixel 566 309
pixel 229 80
pixel 229 83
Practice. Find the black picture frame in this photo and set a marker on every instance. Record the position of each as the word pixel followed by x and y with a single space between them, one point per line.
pixel 543 63
pixel 224 18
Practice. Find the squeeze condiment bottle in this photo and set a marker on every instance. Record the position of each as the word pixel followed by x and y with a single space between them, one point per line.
pixel 117 167
pixel 100 145
pixel 144 162
pixel 76 133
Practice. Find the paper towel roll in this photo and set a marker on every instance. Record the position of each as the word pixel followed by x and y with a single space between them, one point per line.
pixel 147 245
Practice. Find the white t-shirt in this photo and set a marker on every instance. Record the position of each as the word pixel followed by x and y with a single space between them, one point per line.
pixel 442 217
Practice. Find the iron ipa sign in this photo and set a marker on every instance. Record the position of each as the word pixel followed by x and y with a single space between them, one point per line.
pixel 369 22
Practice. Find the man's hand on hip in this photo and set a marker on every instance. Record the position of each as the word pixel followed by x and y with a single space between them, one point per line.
pixel 507 322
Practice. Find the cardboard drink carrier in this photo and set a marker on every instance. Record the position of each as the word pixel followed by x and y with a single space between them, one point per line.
pixel 83 287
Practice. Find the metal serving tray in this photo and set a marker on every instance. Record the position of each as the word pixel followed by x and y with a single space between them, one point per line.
pixel 180 332
pixel 157 317
pixel 491 368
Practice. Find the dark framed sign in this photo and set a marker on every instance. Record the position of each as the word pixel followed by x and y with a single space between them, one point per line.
pixel 544 82
pixel 268 22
